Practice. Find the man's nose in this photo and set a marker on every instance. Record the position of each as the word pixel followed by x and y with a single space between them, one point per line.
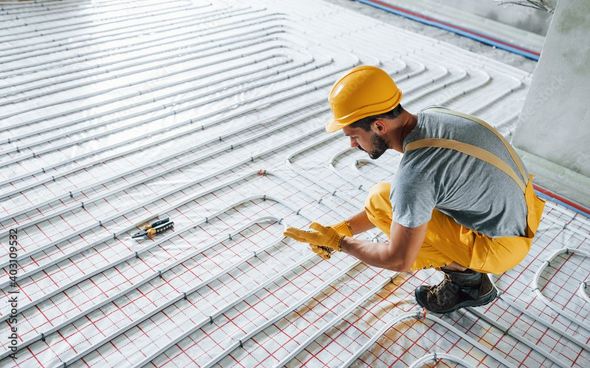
pixel 353 143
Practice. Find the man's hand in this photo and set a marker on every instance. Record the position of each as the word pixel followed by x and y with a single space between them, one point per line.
pixel 343 228
pixel 323 252
pixel 323 240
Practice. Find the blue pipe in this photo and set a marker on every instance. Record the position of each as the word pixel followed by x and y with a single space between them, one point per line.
pixel 525 54
pixel 555 200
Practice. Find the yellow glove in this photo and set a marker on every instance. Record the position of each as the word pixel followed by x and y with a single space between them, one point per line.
pixel 322 236
pixel 343 228
pixel 323 252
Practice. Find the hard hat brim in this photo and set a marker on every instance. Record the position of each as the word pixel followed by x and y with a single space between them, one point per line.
pixel 334 126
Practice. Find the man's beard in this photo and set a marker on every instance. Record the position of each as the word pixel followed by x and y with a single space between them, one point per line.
pixel 379 147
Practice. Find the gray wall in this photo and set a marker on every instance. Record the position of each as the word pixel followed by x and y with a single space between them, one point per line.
pixel 555 121
pixel 529 19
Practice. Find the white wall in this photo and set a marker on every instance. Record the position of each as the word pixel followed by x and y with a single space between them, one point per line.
pixel 529 19
pixel 554 126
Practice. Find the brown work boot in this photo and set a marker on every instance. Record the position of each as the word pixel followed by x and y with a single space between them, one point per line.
pixel 459 289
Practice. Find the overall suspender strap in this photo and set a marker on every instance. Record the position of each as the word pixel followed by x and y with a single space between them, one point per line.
pixel 470 150
pixel 534 204
pixel 477 120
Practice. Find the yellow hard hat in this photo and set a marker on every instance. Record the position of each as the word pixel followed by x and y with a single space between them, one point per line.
pixel 363 91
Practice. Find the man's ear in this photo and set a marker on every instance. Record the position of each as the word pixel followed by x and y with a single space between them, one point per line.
pixel 379 125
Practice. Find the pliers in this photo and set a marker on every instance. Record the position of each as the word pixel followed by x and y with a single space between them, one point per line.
pixel 156 227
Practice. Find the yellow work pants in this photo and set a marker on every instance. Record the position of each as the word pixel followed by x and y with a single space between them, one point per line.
pixel 447 241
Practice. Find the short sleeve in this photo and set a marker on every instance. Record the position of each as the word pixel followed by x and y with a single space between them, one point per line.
pixel 412 198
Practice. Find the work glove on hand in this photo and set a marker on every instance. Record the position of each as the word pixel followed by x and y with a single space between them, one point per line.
pixel 343 228
pixel 323 240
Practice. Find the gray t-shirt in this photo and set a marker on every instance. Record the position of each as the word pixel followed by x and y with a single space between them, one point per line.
pixel 474 193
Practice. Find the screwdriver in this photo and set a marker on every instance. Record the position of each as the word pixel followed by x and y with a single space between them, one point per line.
pixel 157 227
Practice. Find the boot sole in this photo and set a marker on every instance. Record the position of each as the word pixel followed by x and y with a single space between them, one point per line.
pixel 489 297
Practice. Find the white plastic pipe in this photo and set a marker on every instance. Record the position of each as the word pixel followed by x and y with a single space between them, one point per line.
pixel 536 288
pixel 420 314
pixel 160 273
pixel 238 341
pixel 436 357
pixel 293 353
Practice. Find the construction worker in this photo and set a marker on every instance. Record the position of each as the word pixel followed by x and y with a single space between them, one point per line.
pixel 461 202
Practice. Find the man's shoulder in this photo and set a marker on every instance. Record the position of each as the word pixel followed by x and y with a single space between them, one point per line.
pixel 447 118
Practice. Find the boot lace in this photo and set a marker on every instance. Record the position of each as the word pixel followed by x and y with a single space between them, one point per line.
pixel 440 288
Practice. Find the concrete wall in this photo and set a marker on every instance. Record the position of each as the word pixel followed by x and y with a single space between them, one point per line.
pixel 554 127
pixel 529 19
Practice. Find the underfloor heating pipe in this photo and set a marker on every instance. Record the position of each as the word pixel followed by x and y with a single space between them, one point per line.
pixel 465 32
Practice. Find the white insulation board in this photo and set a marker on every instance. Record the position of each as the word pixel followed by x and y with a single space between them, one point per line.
pixel 114 113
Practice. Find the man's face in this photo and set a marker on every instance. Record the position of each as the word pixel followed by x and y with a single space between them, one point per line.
pixel 367 141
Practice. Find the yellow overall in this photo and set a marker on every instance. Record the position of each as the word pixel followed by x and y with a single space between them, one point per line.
pixel 447 241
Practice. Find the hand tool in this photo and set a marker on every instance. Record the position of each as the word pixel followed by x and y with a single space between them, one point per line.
pixel 151 230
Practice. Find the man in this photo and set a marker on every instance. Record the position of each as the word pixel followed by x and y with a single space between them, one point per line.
pixel 461 201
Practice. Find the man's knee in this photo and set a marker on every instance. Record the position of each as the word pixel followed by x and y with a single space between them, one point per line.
pixel 378 206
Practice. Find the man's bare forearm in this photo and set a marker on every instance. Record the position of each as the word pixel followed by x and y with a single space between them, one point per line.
pixel 360 223
pixel 374 254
